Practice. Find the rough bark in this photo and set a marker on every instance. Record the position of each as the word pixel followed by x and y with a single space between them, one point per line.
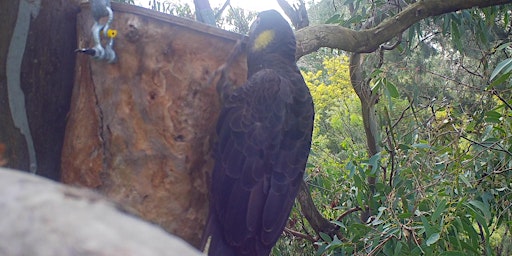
pixel 140 130
pixel 43 218
pixel 311 38
pixel 45 77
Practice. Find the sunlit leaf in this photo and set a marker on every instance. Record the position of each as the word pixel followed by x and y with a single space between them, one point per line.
pixel 503 65
pixel 501 79
pixel 432 239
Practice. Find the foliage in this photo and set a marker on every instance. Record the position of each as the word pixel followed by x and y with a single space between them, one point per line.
pixel 338 125
pixel 443 175
pixel 176 8
pixel 236 19
pixel 232 18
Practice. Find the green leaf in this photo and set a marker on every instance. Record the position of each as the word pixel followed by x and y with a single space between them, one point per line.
pixel 337 223
pixel 420 145
pixel 404 215
pixel 374 162
pixel 433 238
pixel 351 168
pixel 456 35
pixel 426 226
pixel 325 237
pixel 481 219
pixel 490 141
pixel 446 24
pixel 501 79
pixel 375 73
pixel 334 19
pixel 321 249
pixel 503 46
pixel 403 146
pixel 393 92
pixel 482 207
pixel 492 116
pixel 398 249
pixel 439 209
pixel 503 65
pixel 465 180
pixel 336 241
pixel 377 85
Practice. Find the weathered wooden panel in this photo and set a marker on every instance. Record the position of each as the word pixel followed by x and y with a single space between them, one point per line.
pixel 140 130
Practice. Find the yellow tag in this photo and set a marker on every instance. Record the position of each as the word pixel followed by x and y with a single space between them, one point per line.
pixel 263 39
pixel 112 33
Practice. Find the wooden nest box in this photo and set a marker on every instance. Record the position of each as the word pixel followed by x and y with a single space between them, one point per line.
pixel 140 131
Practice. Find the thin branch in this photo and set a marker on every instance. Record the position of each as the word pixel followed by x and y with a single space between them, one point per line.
pixel 219 13
pixel 469 71
pixel 385 47
pixel 300 235
pixel 491 147
pixel 380 245
pixel 349 211
pixel 495 93
pixel 453 80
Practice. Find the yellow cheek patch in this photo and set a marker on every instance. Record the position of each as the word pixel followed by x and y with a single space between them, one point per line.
pixel 263 39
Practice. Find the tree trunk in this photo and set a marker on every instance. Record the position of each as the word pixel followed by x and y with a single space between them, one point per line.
pixel 140 130
pixel 37 39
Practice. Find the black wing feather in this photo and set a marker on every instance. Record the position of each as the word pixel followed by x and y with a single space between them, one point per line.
pixel 260 159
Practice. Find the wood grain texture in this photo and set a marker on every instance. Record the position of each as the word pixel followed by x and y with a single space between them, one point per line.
pixel 140 131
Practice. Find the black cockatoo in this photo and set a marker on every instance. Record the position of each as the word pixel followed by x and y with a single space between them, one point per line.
pixel 264 137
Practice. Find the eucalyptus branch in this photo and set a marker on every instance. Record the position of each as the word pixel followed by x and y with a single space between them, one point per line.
pixel 491 147
pixel 312 38
pixel 300 235
pixel 347 212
